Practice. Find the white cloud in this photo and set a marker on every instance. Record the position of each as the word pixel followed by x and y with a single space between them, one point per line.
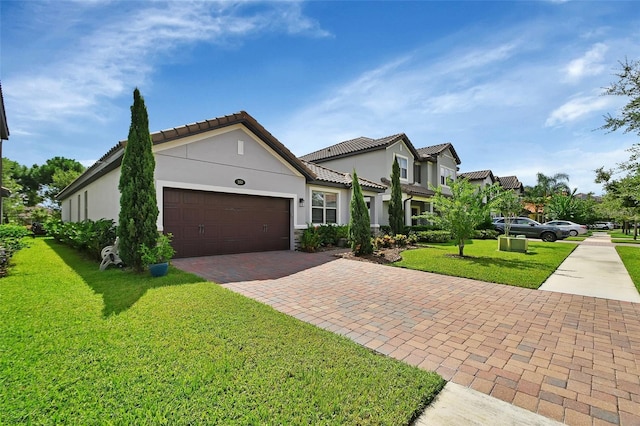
pixel 577 108
pixel 120 52
pixel 591 63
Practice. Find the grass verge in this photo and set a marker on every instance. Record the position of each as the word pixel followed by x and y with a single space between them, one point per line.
pixel 620 237
pixel 484 262
pixel 80 346
pixel 631 259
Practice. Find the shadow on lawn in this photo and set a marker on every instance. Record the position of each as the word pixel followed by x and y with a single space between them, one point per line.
pixel 120 289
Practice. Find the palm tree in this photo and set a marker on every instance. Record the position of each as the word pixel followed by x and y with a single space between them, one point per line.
pixel 550 185
pixel 546 186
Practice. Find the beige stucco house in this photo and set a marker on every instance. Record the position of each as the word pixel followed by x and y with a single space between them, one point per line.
pixel 421 169
pixel 225 185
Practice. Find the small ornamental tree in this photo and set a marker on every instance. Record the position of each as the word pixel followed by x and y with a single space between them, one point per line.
pixel 510 206
pixel 396 210
pixel 359 223
pixel 462 211
pixel 138 205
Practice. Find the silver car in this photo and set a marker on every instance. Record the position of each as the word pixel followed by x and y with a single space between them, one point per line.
pixel 573 228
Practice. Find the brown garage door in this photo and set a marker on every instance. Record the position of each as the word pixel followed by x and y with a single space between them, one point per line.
pixel 209 223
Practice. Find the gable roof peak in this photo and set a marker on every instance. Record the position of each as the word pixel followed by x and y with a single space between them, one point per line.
pixel 356 146
pixel 434 150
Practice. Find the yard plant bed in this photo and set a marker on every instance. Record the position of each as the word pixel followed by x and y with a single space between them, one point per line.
pixel 482 261
pixel 80 346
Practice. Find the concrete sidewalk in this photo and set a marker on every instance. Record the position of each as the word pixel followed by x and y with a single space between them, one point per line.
pixel 594 269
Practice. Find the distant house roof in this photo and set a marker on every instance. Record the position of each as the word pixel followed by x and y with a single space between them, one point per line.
pixel 324 174
pixel 429 152
pixel 4 128
pixel 479 175
pixel 358 146
pixel 510 182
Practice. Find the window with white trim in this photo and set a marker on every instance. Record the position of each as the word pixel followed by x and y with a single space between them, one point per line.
pixel 324 207
pixel 445 173
pixel 403 162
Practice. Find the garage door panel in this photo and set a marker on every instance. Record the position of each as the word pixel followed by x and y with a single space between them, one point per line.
pixel 209 223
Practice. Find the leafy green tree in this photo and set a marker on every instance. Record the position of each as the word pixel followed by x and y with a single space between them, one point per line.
pixel 38 183
pixel 569 207
pixel 359 223
pixel 628 85
pixel 462 211
pixel 12 205
pixel 138 204
pixel 509 204
pixel 396 209
pixel 624 192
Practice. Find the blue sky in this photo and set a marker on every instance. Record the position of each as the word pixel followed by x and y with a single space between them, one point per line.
pixel 514 86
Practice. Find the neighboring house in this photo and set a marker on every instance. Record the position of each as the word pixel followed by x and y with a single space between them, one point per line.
pixel 512 183
pixel 482 178
pixel 223 186
pixel 421 170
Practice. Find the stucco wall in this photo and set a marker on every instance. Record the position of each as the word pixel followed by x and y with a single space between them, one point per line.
pixel 234 161
pixel 102 197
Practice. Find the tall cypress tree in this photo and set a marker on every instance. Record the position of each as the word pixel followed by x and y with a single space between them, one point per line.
pixel 138 205
pixel 396 210
pixel 359 223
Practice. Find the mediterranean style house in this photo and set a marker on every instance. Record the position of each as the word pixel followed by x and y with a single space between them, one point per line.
pixel 225 185
pixel 483 178
pixel 421 169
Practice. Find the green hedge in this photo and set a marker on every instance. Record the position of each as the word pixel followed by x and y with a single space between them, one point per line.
pixel 433 236
pixel 87 236
pixel 485 234
pixel 11 240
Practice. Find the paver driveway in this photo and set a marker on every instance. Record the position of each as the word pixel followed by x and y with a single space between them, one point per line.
pixel 572 358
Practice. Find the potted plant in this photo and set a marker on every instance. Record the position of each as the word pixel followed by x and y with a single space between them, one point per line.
pixel 157 257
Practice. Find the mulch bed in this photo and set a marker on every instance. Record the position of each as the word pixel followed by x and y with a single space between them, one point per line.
pixel 382 257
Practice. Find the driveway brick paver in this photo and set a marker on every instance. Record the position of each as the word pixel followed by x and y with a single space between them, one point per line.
pixel 571 358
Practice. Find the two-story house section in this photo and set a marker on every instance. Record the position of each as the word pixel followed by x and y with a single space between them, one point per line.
pixel 420 170
pixel 437 164
pixel 512 183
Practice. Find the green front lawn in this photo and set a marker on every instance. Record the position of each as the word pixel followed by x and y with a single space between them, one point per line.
pixel 484 262
pixel 80 346
pixel 631 259
pixel 618 236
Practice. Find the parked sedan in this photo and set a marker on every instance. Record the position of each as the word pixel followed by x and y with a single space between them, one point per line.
pixel 603 225
pixel 573 228
pixel 530 228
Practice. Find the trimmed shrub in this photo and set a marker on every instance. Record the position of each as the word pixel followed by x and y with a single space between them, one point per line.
pixel 88 236
pixel 11 240
pixel 434 236
pixel 310 239
pixel 485 234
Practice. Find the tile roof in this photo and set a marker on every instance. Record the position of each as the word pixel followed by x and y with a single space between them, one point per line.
pixel 327 175
pixel 479 175
pixel 510 182
pixel 113 158
pixel 430 151
pixel 356 146
pixel 411 189
pixel 241 117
